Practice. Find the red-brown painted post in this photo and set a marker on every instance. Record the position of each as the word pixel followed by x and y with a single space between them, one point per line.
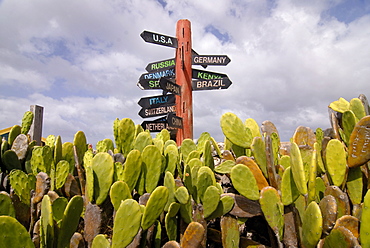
pixel 184 103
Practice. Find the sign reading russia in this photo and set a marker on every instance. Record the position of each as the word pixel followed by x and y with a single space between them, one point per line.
pixel 163 64
pixel 159 39
pixel 210 60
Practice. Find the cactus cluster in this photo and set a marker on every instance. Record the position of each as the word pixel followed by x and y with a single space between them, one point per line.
pixel 144 191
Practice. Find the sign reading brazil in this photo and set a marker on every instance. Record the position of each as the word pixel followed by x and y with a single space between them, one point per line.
pixel 210 60
pixel 211 84
pixel 159 39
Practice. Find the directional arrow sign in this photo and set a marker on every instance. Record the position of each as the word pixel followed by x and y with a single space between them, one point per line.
pixel 156 125
pixel 156 101
pixel 199 74
pixel 174 121
pixel 158 111
pixel 210 60
pixel 159 39
pixel 168 72
pixel 211 84
pixel 168 86
pixel 159 65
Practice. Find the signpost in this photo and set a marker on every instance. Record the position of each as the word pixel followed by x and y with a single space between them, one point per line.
pixel 168 86
pixel 175 76
pixel 210 60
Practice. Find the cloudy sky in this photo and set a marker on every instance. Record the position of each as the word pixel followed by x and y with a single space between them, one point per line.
pixel 81 60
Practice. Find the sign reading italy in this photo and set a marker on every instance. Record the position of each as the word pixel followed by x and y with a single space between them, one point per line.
pixel 156 101
pixel 210 60
pixel 159 39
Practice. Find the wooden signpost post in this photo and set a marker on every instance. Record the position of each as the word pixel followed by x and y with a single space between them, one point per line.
pixel 177 77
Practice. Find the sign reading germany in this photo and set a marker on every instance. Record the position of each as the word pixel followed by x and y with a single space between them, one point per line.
pixel 210 60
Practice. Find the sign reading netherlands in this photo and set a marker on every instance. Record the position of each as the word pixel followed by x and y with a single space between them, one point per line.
pixel 212 84
pixel 163 64
pixel 159 39
pixel 157 111
pixel 168 86
pixel 156 101
pixel 156 125
pixel 210 60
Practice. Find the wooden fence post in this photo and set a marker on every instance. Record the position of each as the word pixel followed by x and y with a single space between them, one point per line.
pixel 36 127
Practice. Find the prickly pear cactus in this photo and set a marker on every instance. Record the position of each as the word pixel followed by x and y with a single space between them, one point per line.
pixel 142 140
pixel 289 191
pixel 70 221
pixel 210 200
pixel 273 210
pixel 244 181
pixel 154 207
pixel 22 185
pixel 11 227
pixel 193 235
pixel 79 141
pixel 13 133
pixel 126 223
pixel 235 131
pixel 61 173
pixel 336 161
pixel 365 218
pixel 26 122
pixel 298 169
pixel 105 145
pixel 126 135
pixel 152 159
pixel 312 225
pixel 118 193
pixel 42 159
pixel 6 205
pixel 132 168
pixel 259 153
pixel 46 223
pixel 102 166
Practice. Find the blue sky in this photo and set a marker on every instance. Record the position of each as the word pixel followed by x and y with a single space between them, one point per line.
pixel 81 60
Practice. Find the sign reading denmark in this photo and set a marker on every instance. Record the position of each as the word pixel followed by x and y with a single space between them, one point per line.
pixel 150 81
pixel 210 60
pixel 159 39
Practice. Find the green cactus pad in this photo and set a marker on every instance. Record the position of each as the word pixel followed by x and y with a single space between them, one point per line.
pixel 259 153
pixel 253 126
pixel 257 173
pixel 312 177
pixel 102 166
pixel 118 193
pixel 79 141
pixel 126 223
pixel 154 207
pixel 356 106
pixel 100 241
pixel 13 133
pixel 187 146
pixel 58 150
pixel 169 182
pixel 152 159
pixel 68 155
pixel 355 185
pixel 46 223
pixel 171 226
pixel 311 225
pixel 182 195
pixel 142 140
pixel 27 120
pixel 186 211
pixel 225 167
pixel 105 145
pixel 210 200
pixel 193 154
pixel 336 162
pixel 126 135
pixel 22 185
pixel 171 154
pixel 340 105
pixel 42 159
pixel 298 169
pixel 273 209
pixel 70 221
pixel 341 237
pixel 132 168
pixel 14 234
pixel 58 206
pixel 365 218
pixel 244 181
pixel 61 173
pixel 224 206
pixel 289 191
pixel 6 205
pixel 205 178
pixel 235 131
pixel 11 161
